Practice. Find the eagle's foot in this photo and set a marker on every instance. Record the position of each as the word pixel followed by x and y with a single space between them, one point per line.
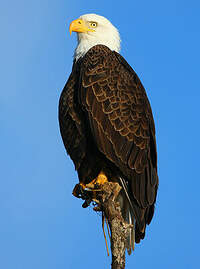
pixel 80 191
pixel 95 184
pixel 89 191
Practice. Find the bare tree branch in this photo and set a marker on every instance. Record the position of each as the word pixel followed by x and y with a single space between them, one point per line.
pixel 106 201
pixel 110 207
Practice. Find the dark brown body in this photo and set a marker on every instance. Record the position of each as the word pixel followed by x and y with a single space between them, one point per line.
pixel 106 124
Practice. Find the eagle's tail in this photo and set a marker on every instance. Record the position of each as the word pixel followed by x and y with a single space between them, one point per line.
pixel 127 213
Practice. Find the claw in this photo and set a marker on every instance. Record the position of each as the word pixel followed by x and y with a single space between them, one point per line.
pixel 88 192
pixel 95 183
pixel 77 191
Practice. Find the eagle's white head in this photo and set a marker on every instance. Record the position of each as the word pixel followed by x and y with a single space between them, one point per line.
pixel 93 30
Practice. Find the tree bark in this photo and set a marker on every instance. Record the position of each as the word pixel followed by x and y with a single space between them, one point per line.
pixel 105 197
pixel 112 211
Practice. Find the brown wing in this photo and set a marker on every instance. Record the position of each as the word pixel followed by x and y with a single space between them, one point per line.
pixel 70 120
pixel 122 124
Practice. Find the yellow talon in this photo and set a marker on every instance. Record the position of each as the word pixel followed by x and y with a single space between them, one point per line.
pixel 82 185
pixel 100 180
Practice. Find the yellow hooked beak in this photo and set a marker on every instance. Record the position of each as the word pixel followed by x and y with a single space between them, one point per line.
pixel 79 26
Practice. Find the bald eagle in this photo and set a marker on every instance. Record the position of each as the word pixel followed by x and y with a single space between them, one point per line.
pixel 106 122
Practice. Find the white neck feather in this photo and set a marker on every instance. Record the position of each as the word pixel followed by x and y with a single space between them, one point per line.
pixel 106 35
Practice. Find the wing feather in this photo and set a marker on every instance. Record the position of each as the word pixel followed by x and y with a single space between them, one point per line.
pixel 122 125
pixel 71 123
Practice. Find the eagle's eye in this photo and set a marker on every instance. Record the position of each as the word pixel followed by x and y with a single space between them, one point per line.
pixel 93 24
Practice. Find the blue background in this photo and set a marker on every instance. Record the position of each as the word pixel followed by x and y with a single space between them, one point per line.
pixel 42 225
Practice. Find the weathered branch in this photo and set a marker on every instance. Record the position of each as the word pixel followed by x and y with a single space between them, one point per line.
pixel 110 207
pixel 106 201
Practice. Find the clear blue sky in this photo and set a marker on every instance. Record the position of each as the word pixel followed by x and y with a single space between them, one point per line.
pixel 42 225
